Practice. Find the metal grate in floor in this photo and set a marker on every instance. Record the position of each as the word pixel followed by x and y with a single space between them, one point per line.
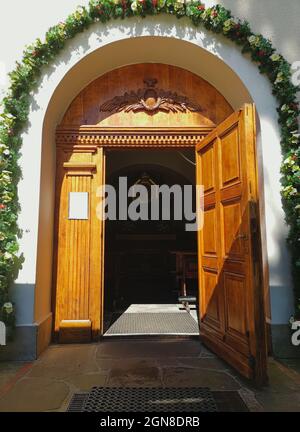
pixel 77 402
pixel 115 399
pixel 154 324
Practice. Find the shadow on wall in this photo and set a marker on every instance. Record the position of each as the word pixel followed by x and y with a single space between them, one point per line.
pixel 270 23
pixel 279 264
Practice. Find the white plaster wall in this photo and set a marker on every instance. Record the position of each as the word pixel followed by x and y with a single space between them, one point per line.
pixel 22 22
pixel 65 80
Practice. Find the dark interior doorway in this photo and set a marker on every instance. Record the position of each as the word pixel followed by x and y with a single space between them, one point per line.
pixel 149 264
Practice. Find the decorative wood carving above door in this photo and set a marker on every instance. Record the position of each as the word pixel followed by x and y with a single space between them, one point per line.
pixel 88 138
pixel 170 98
pixel 150 100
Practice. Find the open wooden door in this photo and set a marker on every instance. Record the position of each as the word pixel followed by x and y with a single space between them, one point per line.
pixel 229 250
pixel 79 245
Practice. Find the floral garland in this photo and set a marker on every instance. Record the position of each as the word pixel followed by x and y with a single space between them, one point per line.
pixel 15 110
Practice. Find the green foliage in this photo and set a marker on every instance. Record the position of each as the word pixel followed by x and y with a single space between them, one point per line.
pixel 23 80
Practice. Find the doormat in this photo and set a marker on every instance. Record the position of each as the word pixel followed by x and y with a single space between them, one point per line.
pixel 179 323
pixel 215 401
pixel 116 399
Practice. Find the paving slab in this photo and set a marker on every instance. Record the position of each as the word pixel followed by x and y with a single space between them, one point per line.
pixel 34 395
pixel 279 380
pixel 8 370
pixel 186 377
pixel 279 402
pixel 87 381
pixel 126 364
pixel 292 364
pixel 65 360
pixel 149 349
pixel 138 373
pixel 204 363
pixel 206 353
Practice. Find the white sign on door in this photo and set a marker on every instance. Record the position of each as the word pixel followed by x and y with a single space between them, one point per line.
pixel 78 205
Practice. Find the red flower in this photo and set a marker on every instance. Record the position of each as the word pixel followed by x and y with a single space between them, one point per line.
pixel 2 206
pixel 261 53
pixel 154 3
pixel 201 7
pixel 214 14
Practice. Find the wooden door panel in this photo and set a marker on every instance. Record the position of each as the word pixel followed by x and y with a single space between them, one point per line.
pixel 77 241
pixel 229 193
pixel 236 319
pixel 77 275
pixel 230 158
pixel 230 292
pixel 208 175
pixel 209 200
pixel 211 299
pixel 231 224
pixel 210 234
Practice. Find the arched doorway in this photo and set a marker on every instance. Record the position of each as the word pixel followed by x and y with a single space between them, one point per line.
pixel 223 66
pixel 156 106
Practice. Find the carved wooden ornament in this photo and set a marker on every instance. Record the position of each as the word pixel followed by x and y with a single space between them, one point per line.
pixel 150 100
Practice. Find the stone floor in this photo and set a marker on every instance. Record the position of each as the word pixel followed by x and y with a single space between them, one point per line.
pixel 49 383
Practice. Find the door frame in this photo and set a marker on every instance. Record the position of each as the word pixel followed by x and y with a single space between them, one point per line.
pixel 90 138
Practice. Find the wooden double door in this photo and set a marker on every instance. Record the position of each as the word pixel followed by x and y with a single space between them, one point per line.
pixel 232 321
